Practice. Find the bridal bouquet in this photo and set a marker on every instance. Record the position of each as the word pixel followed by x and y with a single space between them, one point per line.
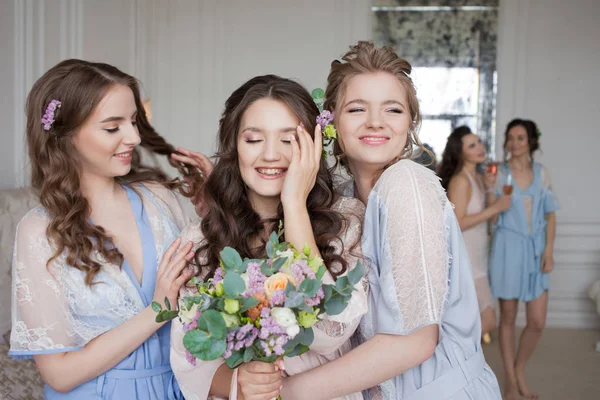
pixel 259 309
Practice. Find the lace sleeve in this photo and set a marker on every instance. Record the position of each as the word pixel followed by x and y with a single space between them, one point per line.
pixel 339 328
pixel 550 201
pixel 172 202
pixel 41 322
pixel 409 210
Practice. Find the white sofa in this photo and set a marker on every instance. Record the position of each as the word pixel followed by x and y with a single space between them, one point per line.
pixel 18 379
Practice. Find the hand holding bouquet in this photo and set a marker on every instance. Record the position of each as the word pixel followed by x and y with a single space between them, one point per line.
pixel 259 309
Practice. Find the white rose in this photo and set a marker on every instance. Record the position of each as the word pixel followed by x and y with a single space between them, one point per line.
pixel 188 316
pixel 286 318
pixel 293 330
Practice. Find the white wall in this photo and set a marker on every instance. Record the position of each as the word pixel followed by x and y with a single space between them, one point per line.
pixel 548 57
pixel 189 54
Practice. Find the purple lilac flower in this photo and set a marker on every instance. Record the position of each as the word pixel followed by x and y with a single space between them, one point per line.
pixel 301 271
pixel 218 275
pixel 278 298
pixel 194 324
pixel 256 280
pixel 325 118
pixel 190 357
pixel 240 338
pixel 316 299
pixel 48 118
pixel 272 334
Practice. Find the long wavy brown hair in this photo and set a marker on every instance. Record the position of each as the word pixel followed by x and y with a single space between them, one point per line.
pixel 452 157
pixel 55 172
pixel 229 218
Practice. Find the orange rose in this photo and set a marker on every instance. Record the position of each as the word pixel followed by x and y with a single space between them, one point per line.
pixel 276 282
pixel 254 312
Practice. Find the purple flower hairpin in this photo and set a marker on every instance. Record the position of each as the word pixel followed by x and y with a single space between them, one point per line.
pixel 325 120
pixel 48 118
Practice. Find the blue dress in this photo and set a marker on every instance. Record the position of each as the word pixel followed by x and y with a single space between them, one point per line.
pixel 54 312
pixel 421 275
pixel 520 238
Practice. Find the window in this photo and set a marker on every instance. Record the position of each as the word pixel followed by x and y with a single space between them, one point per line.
pixel 451 45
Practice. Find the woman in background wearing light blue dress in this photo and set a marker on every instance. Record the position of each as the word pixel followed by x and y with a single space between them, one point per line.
pixel 421 335
pixel 522 251
pixel 101 247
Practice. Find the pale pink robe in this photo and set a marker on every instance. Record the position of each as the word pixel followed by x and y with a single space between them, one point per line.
pixel 477 242
pixel 332 334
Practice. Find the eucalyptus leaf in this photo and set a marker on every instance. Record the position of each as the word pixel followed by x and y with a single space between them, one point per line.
pixel 320 272
pixel 308 336
pixel 249 303
pixel 165 315
pixel 356 274
pixel 298 350
pixel 231 259
pixel 196 341
pixel 336 304
pixel 233 284
pixel 278 263
pixel 328 290
pixel 289 288
pixel 295 299
pixel 215 349
pixel 156 306
pixel 215 324
pixel 270 247
pixel 309 287
pixel 235 360
pixel 248 354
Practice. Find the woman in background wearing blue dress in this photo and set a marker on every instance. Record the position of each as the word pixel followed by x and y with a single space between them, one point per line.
pixel 522 251
pixel 101 246
pixel 421 335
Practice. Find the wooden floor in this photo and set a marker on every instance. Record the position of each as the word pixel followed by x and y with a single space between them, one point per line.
pixel 565 365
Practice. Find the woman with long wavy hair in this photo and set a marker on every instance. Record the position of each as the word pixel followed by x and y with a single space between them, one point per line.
pixel 467 190
pixel 269 168
pixel 101 246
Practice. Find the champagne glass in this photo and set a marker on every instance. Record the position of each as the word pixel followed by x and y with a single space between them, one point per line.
pixel 508 187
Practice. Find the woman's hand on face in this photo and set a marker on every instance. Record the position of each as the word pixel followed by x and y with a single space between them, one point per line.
pixel 304 167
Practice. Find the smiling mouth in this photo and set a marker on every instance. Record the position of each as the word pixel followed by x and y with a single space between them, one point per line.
pixel 271 173
pixel 124 155
pixel 374 139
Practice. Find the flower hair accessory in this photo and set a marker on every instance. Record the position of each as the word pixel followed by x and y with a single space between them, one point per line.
pixel 48 118
pixel 324 120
